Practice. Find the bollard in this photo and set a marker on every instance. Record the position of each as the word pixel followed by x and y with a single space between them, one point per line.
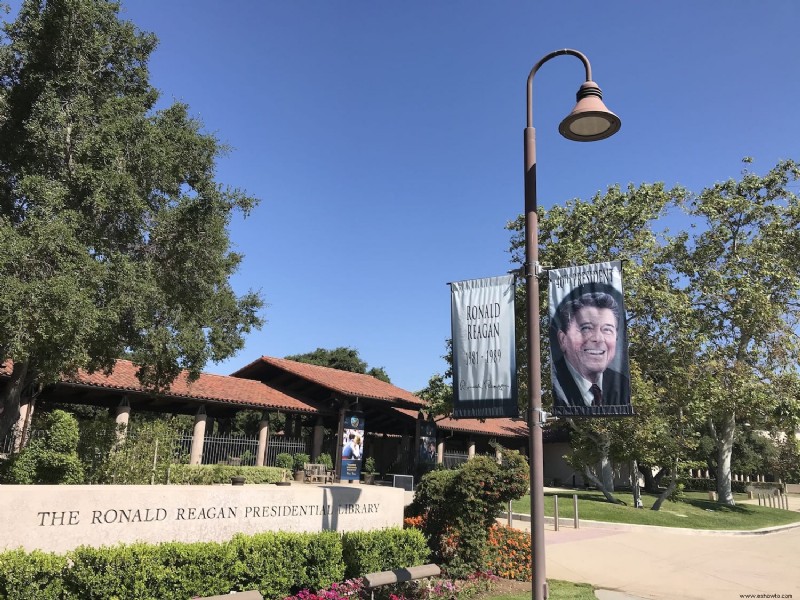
pixel 575 508
pixel 510 517
pixel 555 511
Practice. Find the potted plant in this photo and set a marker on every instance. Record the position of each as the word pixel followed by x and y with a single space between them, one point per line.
pixel 299 463
pixel 369 470
pixel 284 462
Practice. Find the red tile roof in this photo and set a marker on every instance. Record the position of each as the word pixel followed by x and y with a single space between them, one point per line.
pixel 345 382
pixel 500 427
pixel 219 388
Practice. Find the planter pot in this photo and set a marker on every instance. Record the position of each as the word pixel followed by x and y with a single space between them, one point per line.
pixel 237 480
pixel 283 483
pixel 369 478
pixel 299 475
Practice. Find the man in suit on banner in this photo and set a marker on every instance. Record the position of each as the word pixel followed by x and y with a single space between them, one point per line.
pixel 587 336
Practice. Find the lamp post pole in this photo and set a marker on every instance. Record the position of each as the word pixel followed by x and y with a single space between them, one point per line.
pixel 590 120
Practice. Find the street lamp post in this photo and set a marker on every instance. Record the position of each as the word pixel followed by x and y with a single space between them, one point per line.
pixel 589 121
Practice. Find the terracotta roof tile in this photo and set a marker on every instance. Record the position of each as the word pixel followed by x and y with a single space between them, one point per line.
pixel 502 427
pixel 218 388
pixel 345 382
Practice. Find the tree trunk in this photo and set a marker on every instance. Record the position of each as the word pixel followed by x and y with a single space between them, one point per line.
pixel 10 398
pixel 670 488
pixel 724 441
pixel 608 493
pixel 637 492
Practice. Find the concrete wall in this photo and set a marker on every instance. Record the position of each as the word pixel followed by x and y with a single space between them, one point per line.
pixel 59 518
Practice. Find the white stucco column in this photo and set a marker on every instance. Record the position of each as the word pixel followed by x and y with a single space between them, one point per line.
pixel 471 450
pixel 440 452
pixel 198 437
pixel 21 429
pixel 263 441
pixel 122 418
pixel 498 455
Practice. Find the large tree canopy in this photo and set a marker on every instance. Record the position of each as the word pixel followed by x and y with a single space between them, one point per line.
pixel 713 311
pixel 113 228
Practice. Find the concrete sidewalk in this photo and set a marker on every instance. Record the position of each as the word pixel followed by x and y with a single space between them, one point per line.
pixel 655 563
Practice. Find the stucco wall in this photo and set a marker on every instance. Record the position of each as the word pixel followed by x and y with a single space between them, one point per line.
pixel 59 518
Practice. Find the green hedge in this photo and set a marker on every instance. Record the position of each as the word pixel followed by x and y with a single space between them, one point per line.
pixel 367 553
pixel 211 474
pixel 278 564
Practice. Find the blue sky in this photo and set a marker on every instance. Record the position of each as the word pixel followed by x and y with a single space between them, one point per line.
pixel 384 139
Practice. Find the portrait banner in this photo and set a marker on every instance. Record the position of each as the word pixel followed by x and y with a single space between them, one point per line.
pixel 589 342
pixel 484 348
pixel 352 445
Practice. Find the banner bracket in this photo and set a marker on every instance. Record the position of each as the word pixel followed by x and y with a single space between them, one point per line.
pixel 537 269
pixel 541 417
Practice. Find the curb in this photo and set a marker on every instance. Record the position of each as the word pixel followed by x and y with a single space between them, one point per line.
pixel 568 523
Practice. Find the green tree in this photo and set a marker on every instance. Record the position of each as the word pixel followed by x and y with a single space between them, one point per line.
pixel 112 224
pixel 623 225
pixel 342 358
pixel 742 276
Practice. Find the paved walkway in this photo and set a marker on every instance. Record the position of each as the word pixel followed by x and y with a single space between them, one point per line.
pixel 658 563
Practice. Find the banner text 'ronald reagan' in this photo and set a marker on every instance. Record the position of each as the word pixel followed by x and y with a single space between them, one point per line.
pixel 484 354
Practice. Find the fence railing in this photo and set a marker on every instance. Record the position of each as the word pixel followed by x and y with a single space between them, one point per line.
pixel 454 458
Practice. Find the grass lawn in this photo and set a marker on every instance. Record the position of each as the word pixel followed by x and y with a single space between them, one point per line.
pixel 559 590
pixel 696 511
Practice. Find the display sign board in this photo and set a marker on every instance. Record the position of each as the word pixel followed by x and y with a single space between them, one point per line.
pixel 352 445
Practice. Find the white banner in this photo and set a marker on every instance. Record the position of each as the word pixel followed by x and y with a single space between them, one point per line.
pixel 484 348
pixel 589 341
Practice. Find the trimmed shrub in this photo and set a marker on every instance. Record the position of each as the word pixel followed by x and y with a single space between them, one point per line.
pixel 371 551
pixel 36 574
pixel 213 474
pixel 284 461
pixel 278 564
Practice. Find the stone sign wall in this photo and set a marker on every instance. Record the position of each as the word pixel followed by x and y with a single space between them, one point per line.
pixel 59 518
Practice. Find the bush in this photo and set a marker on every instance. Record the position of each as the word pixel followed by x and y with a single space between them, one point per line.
pixel 299 461
pixel 325 459
pixel 369 465
pixel 276 563
pixel 51 459
pixel 510 553
pixel 284 461
pixel 35 575
pixel 214 474
pixel 372 551
pixel 460 506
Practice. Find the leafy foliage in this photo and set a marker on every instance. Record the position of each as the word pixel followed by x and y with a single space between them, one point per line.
pixel 276 563
pixel 712 313
pixel 51 459
pixel 221 474
pixel 113 227
pixel 342 358
pixel 459 507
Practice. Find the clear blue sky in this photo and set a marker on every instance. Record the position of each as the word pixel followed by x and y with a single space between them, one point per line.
pixel 384 139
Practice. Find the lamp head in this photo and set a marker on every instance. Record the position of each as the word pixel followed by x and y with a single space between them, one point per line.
pixel 590 120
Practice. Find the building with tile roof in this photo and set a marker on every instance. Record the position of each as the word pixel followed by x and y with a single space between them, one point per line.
pixel 313 399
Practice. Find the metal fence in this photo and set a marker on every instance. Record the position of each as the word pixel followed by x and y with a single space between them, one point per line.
pixel 455 458
pixel 278 444
pixel 229 449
